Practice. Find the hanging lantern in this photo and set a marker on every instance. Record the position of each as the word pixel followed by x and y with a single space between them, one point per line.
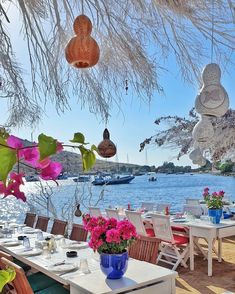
pixel 203 131
pixel 82 51
pixel 106 148
pixel 212 99
pixel 78 212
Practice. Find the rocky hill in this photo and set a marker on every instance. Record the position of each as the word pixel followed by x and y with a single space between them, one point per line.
pixel 72 164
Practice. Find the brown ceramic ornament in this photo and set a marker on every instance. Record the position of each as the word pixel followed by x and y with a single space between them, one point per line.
pixel 106 148
pixel 82 51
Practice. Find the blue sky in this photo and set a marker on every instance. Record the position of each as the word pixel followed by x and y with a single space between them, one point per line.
pixel 129 128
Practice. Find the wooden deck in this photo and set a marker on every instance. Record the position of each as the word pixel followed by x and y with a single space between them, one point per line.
pixel 197 281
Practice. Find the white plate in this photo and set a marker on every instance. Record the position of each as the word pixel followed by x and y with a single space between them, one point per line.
pixel 58 237
pixel 63 268
pixel 29 231
pixel 10 243
pixel 33 252
pixel 77 245
pixel 180 220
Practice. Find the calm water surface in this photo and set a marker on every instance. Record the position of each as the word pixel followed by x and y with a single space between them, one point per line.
pixel 168 189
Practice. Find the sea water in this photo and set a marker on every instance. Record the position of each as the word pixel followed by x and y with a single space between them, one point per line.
pixel 170 188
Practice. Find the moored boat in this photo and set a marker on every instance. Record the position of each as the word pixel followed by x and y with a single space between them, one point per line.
pixel 112 181
pixel 82 179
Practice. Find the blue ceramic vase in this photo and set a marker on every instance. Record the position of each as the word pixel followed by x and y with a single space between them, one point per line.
pixel 216 214
pixel 114 266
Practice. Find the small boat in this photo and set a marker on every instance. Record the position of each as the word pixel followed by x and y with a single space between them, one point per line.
pixel 62 177
pixel 112 180
pixel 82 179
pixel 32 178
pixel 152 179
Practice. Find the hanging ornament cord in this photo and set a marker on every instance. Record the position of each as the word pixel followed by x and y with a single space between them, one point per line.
pixel 212 29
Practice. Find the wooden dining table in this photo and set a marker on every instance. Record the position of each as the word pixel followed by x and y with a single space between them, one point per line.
pixel 141 277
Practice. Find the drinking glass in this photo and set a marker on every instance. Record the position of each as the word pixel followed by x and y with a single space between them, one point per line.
pixel 46 252
pixel 40 236
pixel 84 266
pixel 26 243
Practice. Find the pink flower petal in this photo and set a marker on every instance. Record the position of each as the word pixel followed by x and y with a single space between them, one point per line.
pixel 51 171
pixel 14 142
pixel 31 155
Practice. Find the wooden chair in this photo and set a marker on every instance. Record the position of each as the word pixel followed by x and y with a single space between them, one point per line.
pixel 145 249
pixel 59 227
pixel 5 255
pixel 112 213
pixel 174 249
pixel 35 283
pixel 42 223
pixel 95 211
pixel 135 218
pixel 192 201
pixel 78 233
pixel 30 219
pixel 195 210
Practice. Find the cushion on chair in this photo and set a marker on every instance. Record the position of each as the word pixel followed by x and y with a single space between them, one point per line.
pixel 39 281
pixel 179 229
pixel 55 289
pixel 150 232
pixel 180 240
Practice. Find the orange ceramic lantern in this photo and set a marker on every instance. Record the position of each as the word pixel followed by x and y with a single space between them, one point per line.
pixel 82 51
pixel 106 148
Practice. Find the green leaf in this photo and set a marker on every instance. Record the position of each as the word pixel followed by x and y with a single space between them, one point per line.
pixel 78 138
pixel 47 146
pixel 88 158
pixel 94 148
pixel 6 276
pixel 7 160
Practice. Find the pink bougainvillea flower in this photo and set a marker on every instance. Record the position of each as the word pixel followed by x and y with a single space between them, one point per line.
pixel 113 236
pixel 206 189
pixel 221 193
pixel 43 163
pixel 31 156
pixel 51 171
pixel 14 142
pixel 18 178
pixel 59 147
pixel 13 187
pixel 2 188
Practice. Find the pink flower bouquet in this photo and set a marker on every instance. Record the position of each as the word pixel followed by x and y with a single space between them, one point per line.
pixel 109 235
pixel 214 200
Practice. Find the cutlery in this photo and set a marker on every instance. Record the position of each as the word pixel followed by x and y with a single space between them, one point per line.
pixel 59 263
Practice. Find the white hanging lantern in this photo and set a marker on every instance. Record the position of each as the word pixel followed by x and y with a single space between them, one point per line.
pixel 203 131
pixel 212 99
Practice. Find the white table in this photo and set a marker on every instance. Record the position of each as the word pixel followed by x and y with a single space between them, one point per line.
pixel 210 232
pixel 141 277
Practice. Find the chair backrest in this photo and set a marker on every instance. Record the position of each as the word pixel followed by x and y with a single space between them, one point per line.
pixel 59 227
pixel 30 219
pixel 147 206
pixel 5 255
pixel 135 218
pixel 191 201
pixel 162 227
pixel 42 223
pixel 112 213
pixel 162 206
pixel 145 249
pixel 195 210
pixel 95 211
pixel 78 233
pixel 20 283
